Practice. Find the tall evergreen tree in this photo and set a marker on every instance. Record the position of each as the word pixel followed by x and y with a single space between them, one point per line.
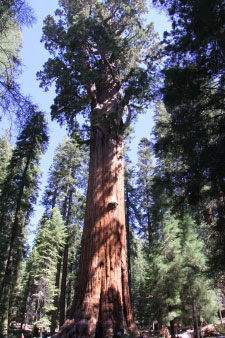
pixel 19 193
pixel 135 261
pixel 102 64
pixel 67 184
pixel 48 243
pixel 193 96
pixel 177 286
pixel 189 163
pixel 144 183
pixel 130 212
pixel 68 171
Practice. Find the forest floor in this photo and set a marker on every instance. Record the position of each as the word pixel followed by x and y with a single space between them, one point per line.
pixel 210 330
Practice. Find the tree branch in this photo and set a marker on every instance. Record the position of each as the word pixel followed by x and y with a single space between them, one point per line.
pixel 128 119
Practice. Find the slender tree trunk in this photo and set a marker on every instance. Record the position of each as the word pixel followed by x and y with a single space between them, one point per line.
pixel 172 329
pixel 195 318
pixel 102 302
pixel 219 306
pixel 149 223
pixel 70 288
pixel 62 300
pixel 55 312
pixel 128 245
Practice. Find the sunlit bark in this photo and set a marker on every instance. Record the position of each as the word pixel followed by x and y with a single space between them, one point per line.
pixel 102 301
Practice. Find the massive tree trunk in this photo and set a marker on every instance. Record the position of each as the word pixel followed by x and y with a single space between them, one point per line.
pixel 102 302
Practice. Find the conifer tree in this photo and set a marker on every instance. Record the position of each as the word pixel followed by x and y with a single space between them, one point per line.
pixel 130 212
pixel 138 266
pixel 178 289
pixel 186 168
pixel 67 172
pixel 198 297
pixel 18 298
pixel 165 274
pixel 144 192
pixel 102 61
pixel 135 259
pixel 66 187
pixel 193 96
pixel 48 243
pixel 18 195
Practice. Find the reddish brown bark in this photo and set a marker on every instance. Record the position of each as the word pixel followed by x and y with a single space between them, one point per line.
pixel 102 302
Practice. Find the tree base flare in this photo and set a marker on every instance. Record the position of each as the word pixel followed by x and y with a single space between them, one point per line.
pixel 87 329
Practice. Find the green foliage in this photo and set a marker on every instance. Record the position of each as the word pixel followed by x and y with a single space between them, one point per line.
pixel 49 241
pixel 18 296
pixel 132 214
pixel 102 61
pixel 138 266
pixel 14 10
pixel 144 181
pixel 176 276
pixel 19 192
pixel 10 46
pixel 193 96
pixel 66 190
pixel 5 155
pixel 68 172
pixel 189 149
pixel 196 34
pixel 19 188
pixel 13 15
pixel 135 255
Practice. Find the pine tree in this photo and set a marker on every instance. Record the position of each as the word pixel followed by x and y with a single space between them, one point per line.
pixel 135 260
pixel 188 161
pixel 144 182
pixel 176 277
pixel 130 213
pixel 102 64
pixel 138 266
pixel 197 295
pixel 165 274
pixel 19 193
pixel 66 187
pixel 193 96
pixel 49 241
pixel 67 172
pixel 18 298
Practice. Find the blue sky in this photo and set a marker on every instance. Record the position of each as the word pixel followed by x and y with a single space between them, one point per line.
pixel 33 56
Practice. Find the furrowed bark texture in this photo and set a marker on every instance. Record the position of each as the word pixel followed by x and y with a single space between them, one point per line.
pixel 102 302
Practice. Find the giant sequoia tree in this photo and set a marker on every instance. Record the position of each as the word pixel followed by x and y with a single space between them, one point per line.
pixel 102 64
